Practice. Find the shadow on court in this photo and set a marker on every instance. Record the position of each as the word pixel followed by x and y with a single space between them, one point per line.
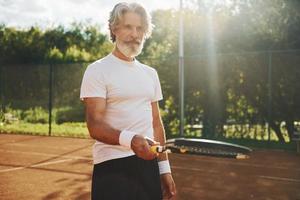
pixel 46 168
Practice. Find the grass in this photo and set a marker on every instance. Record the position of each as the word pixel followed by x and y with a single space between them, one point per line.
pixel 70 129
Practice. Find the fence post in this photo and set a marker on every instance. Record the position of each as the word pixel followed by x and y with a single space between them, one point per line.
pixel 50 96
pixel 181 71
pixel 1 87
pixel 269 93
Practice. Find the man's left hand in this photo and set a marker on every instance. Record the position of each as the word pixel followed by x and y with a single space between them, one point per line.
pixel 168 186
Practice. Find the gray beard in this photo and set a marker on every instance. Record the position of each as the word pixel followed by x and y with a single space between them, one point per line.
pixel 128 50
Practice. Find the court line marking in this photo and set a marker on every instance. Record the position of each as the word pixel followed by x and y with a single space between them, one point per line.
pixel 213 171
pixel 280 179
pixel 67 159
pixel 36 165
pixel 34 145
pixel 45 154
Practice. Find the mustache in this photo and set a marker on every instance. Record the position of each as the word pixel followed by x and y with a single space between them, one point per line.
pixel 138 42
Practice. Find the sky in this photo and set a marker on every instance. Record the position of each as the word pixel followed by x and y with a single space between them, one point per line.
pixel 49 13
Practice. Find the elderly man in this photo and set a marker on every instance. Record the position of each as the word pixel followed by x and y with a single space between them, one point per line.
pixel 121 99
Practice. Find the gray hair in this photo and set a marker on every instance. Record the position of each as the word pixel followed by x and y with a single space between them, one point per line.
pixel 121 8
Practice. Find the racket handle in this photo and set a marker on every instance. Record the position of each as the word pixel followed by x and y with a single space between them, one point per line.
pixel 241 156
pixel 159 149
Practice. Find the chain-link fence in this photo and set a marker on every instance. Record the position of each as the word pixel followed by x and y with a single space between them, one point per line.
pixel 240 95
pixel 246 95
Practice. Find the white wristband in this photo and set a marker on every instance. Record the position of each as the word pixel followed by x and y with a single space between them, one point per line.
pixel 164 167
pixel 126 137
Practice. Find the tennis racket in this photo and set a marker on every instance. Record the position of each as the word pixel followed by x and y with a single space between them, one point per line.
pixel 203 147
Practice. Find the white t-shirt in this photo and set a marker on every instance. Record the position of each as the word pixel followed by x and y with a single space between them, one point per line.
pixel 129 88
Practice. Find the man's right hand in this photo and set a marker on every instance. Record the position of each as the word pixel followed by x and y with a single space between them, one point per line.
pixel 141 147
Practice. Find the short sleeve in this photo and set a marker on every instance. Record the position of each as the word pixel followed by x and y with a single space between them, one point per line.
pixel 158 93
pixel 93 83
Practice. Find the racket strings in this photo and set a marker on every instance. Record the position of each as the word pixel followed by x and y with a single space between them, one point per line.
pixel 207 151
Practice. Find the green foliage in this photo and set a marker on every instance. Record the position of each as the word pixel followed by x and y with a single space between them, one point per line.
pixel 31 115
pixel 70 114
pixel 55 55
pixel 74 54
pixel 40 115
pixel 78 43
pixel 10 115
pixel 169 117
pixel 2 118
pixel 35 115
pixel 242 89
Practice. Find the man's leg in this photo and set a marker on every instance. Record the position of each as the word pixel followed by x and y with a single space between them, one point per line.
pixel 114 179
pixel 149 180
pixel 129 178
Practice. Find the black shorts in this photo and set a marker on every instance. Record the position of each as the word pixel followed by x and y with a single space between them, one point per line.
pixel 129 178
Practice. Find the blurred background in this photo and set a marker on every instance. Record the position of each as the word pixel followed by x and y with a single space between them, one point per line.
pixel 241 66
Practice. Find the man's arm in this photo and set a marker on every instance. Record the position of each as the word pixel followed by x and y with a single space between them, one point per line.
pixel 167 182
pixel 158 128
pixel 98 129
pixel 103 132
